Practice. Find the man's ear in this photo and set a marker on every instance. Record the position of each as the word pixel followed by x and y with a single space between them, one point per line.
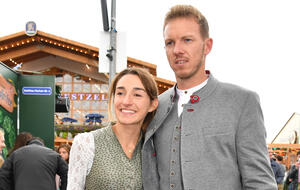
pixel 208 45
pixel 154 105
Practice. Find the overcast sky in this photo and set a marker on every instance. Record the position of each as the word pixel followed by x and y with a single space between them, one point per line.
pixel 256 43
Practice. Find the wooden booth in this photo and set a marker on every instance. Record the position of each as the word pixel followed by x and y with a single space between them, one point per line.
pixel 286 142
pixel 75 67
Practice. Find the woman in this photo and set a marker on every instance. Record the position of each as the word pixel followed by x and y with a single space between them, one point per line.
pixel 110 158
pixel 64 151
pixel 2 145
pixel 21 141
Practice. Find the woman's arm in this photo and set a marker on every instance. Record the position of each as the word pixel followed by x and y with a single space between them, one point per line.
pixel 80 161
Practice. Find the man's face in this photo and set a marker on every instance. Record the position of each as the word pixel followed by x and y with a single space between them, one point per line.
pixel 270 153
pixel 185 48
pixel 2 143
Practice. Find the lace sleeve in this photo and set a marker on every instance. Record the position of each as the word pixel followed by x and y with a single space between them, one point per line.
pixel 80 161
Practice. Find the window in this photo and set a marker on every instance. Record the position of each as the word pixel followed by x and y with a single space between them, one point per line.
pixel 81 102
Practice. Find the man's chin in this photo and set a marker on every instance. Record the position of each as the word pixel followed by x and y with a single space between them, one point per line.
pixel 183 76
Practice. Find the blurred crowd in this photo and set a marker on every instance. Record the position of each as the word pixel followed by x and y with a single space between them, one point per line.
pixel 286 176
pixel 31 165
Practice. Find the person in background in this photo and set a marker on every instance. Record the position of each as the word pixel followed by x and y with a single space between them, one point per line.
pixel 277 170
pixel 64 152
pixel 33 166
pixel 293 174
pixel 206 134
pixel 2 145
pixel 279 160
pixel 110 158
pixel 20 141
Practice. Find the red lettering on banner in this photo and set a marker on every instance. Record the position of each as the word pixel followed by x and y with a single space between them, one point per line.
pixel 86 96
pixel 96 97
pixel 74 97
pixel 81 96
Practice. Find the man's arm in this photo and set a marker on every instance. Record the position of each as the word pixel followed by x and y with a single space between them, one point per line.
pixel 252 152
pixel 6 174
pixel 62 172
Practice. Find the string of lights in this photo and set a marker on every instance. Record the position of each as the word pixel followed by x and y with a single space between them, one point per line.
pixel 44 40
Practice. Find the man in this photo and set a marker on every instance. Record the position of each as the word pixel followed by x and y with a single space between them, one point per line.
pixel 277 169
pixel 2 145
pixel 33 166
pixel 279 160
pixel 293 174
pixel 206 134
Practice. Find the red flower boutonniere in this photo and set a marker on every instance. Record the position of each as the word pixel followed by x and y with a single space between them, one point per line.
pixel 194 98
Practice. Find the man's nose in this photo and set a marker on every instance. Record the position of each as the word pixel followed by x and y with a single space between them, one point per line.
pixel 178 48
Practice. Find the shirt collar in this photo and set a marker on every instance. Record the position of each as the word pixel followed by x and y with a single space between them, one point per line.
pixel 190 91
pixel 194 89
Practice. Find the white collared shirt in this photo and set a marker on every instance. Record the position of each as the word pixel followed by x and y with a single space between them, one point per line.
pixel 185 95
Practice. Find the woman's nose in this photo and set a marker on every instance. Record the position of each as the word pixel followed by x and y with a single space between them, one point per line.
pixel 127 99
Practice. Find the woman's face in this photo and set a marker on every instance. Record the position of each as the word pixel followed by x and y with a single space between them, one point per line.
pixel 63 153
pixel 2 143
pixel 131 101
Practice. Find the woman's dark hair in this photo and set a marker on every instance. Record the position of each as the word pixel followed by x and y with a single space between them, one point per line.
pixel 21 140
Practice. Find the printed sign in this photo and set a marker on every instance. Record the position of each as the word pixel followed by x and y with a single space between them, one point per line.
pixel 7 92
pixel 36 90
pixel 31 28
pixel 86 96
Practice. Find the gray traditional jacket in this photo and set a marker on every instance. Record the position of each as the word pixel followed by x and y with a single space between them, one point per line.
pixel 222 141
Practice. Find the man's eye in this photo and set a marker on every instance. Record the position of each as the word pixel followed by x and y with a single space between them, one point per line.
pixel 138 95
pixel 187 40
pixel 169 43
pixel 119 93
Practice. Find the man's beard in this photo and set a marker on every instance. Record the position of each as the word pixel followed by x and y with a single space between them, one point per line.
pixel 190 75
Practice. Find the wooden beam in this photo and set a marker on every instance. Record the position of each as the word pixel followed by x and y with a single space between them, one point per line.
pixel 143 63
pixel 65 40
pixel 71 56
pixel 19 53
pixel 296 146
pixel 11 36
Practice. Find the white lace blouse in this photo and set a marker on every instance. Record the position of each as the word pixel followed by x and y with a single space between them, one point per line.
pixel 112 170
pixel 80 161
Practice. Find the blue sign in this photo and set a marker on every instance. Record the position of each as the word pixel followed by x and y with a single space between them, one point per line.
pixel 31 28
pixel 36 90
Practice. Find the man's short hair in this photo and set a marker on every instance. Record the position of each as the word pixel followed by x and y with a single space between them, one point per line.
pixel 35 139
pixel 278 157
pixel 188 11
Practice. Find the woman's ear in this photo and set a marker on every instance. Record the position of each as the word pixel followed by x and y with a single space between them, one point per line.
pixel 154 105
